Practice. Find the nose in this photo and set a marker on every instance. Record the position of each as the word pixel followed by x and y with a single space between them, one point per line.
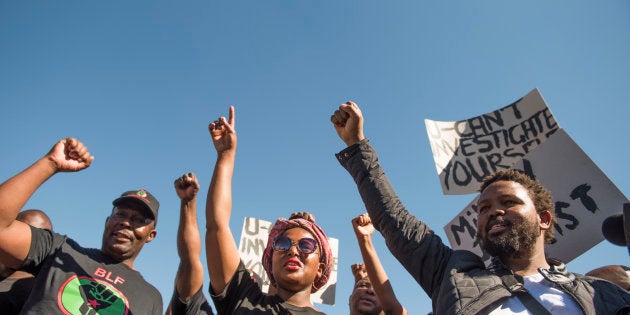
pixel 495 211
pixel 293 250
pixel 122 221
pixel 492 210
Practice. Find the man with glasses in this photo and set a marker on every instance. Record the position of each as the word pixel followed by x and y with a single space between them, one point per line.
pixel 71 279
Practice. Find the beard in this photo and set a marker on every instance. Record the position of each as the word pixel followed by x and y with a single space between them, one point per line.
pixel 518 240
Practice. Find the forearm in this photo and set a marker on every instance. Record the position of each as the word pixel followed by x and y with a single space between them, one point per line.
pixel 188 238
pixel 219 201
pixel 378 277
pixel 221 250
pixel 190 272
pixel 410 240
pixel 15 192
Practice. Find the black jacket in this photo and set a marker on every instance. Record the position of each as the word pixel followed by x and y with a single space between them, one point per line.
pixel 457 281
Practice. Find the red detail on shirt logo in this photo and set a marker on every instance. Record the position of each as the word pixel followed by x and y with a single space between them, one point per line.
pixel 107 275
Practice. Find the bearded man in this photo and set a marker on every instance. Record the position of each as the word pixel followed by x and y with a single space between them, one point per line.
pixel 515 221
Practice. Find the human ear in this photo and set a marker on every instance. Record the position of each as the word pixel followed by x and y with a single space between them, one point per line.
pixel 151 236
pixel 320 270
pixel 545 219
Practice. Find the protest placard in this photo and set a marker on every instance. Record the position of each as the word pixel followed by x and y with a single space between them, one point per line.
pixel 466 151
pixel 252 244
pixel 583 197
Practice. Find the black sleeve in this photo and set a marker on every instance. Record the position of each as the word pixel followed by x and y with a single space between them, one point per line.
pixel 411 241
pixel 43 244
pixel 196 305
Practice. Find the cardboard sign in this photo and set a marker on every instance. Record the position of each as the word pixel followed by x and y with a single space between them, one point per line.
pixel 583 197
pixel 466 151
pixel 252 245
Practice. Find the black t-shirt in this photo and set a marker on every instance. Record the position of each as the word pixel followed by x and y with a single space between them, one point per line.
pixel 71 279
pixel 244 296
pixel 197 305
pixel 13 294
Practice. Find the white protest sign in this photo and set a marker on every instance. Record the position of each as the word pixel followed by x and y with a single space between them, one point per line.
pixel 252 244
pixel 583 198
pixel 466 151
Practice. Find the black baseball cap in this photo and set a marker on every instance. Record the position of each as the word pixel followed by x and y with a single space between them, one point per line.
pixel 613 230
pixel 141 197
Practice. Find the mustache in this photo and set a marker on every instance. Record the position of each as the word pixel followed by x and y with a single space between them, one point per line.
pixel 497 221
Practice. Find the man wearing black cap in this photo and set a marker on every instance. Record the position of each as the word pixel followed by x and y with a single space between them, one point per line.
pixel 71 279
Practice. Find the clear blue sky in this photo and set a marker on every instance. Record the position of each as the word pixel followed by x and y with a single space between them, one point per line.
pixel 138 82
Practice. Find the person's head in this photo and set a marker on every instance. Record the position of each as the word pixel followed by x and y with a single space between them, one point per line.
pixel 32 217
pixel 514 213
pixel 36 218
pixel 130 225
pixel 617 274
pixel 363 300
pixel 297 256
pixel 616 227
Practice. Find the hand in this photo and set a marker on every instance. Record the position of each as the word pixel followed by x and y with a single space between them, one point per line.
pixel 348 122
pixel 302 215
pixel 70 155
pixel 223 133
pixel 363 226
pixel 187 187
pixel 359 271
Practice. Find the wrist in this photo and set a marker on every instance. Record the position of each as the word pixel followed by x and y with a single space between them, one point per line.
pixel 354 140
pixel 227 154
pixel 188 202
pixel 52 164
pixel 364 239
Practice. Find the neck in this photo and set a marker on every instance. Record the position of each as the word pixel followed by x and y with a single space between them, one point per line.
pixel 527 262
pixel 300 298
pixel 128 261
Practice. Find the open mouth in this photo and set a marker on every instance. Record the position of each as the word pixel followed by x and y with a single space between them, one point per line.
pixel 121 236
pixel 497 227
pixel 292 265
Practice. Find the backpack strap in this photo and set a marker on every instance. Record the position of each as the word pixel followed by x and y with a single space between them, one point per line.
pixel 517 288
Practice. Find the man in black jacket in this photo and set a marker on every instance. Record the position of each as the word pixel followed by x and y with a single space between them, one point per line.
pixel 515 221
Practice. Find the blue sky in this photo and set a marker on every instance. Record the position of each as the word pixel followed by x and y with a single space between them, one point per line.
pixel 139 81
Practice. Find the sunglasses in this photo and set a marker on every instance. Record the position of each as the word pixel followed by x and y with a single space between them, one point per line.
pixel 305 245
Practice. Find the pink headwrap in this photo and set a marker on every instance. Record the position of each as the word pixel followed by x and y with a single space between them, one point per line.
pixel 325 255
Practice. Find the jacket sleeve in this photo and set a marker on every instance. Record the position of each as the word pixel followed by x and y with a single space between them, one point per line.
pixel 410 240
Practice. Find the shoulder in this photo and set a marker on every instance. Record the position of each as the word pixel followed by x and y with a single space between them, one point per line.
pixel 301 310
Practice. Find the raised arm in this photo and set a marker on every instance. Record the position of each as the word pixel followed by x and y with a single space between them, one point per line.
pixel 67 155
pixel 363 229
pixel 189 278
pixel 221 251
pixel 410 240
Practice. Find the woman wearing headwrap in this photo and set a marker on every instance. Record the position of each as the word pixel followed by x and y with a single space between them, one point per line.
pixel 297 259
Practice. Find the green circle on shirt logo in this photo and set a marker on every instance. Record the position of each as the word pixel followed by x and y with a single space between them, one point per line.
pixel 89 296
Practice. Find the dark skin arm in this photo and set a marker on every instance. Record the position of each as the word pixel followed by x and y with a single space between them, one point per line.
pixel 67 155
pixel 221 250
pixel 189 278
